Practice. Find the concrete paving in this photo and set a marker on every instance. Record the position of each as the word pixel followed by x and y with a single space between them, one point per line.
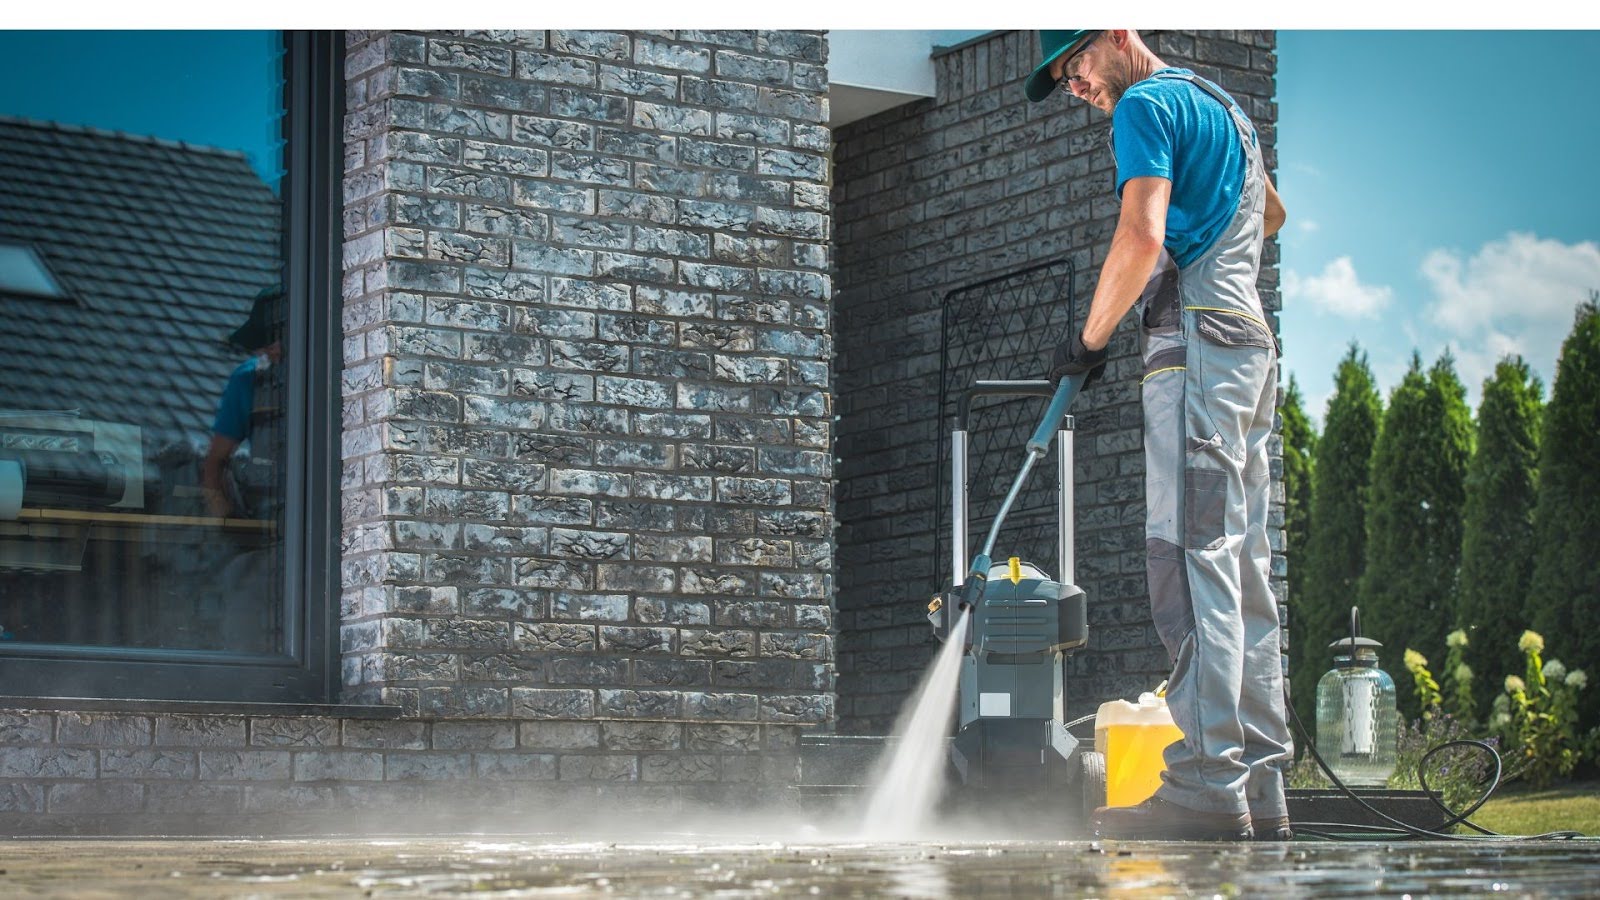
pixel 690 866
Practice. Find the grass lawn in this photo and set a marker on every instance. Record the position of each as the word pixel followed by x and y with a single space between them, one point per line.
pixel 1521 810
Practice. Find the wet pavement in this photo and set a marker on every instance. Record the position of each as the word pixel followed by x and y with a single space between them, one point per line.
pixel 689 866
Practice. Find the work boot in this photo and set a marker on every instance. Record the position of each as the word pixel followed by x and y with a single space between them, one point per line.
pixel 1158 820
pixel 1272 829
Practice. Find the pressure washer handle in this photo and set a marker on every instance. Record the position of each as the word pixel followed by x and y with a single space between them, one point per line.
pixel 1066 392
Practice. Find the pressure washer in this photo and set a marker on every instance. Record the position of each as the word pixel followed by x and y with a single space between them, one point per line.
pixel 1012 736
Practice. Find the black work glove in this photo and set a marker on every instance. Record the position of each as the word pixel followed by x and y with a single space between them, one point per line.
pixel 1072 358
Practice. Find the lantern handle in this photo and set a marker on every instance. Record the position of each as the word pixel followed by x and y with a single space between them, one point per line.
pixel 1355 629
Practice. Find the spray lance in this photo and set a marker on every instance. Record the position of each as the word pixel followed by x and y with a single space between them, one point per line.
pixel 971 589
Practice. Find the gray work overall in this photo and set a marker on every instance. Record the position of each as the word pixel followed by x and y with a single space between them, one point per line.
pixel 1209 390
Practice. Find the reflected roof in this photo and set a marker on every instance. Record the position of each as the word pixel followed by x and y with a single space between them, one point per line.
pixel 160 247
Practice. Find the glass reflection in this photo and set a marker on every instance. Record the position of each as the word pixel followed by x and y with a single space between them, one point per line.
pixel 141 334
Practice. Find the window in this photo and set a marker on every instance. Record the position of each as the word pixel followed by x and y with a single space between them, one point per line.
pixel 23 272
pixel 165 461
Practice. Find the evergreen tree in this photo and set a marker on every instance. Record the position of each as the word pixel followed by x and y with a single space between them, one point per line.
pixel 1419 471
pixel 1335 543
pixel 1497 546
pixel 1299 446
pixel 1565 594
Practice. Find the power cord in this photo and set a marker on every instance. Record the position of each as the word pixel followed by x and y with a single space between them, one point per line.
pixel 1406 831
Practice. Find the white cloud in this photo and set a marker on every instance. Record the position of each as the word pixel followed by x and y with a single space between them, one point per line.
pixel 1514 295
pixel 1309 226
pixel 1519 278
pixel 1337 290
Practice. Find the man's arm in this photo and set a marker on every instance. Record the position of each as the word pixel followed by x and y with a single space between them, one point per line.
pixel 213 471
pixel 1275 214
pixel 1135 247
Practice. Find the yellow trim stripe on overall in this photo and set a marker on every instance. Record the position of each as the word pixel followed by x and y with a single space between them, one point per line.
pixel 1231 312
pixel 1151 375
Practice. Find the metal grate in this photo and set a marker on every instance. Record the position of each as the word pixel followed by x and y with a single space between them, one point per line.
pixel 1001 328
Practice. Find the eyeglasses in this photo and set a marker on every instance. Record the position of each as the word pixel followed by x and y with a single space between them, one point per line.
pixel 1066 82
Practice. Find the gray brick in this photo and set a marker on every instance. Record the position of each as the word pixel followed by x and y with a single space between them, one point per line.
pixel 622 639
pixel 555 636
pixel 96 799
pixel 542 703
pixel 699 642
pixel 473 57
pixel 559 735
pixel 148 764
pixel 318 765
pixel 591 607
pixel 630 704
pixel 598 767
pixel 104 729
pixel 722 707
pixel 559 133
pixel 199 731
pixel 245 765
pixel 48 762
pixel 516 766
pixel 385 735
pixel 638 83
pixel 294 732
pixel 550 68
pixel 588 671
pixel 641 735
pixel 599 44
pixel 662 55
pixel 654 610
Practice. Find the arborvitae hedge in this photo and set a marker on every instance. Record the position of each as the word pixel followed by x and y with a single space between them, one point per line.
pixel 1335 545
pixel 1414 517
pixel 1565 594
pixel 1497 545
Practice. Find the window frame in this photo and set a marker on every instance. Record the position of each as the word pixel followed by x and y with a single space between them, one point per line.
pixel 307 670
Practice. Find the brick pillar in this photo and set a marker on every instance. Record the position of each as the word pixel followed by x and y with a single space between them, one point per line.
pixel 587 390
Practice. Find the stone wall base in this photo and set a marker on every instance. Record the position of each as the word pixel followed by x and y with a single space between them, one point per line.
pixel 76 773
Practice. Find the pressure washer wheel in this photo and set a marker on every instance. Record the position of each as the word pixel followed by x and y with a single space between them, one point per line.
pixel 1094 781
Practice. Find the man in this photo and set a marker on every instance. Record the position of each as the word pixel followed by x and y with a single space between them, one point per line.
pixel 1196 207
pixel 237 410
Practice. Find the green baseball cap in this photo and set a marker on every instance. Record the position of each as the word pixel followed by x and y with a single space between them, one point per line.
pixel 265 322
pixel 1052 44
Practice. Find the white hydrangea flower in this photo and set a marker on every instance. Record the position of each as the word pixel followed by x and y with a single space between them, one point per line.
pixel 1577 680
pixel 1499 720
pixel 1531 642
pixel 1502 703
pixel 1457 638
pixel 1463 672
pixel 1554 670
pixel 1414 660
pixel 1515 685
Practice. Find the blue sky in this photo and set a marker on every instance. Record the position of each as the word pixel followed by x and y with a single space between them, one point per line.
pixel 151 83
pixel 1442 191
pixel 1439 184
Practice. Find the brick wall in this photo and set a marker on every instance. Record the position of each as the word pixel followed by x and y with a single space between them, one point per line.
pixel 65 772
pixel 587 397
pixel 939 194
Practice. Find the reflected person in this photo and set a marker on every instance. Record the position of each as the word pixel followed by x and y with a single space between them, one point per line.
pixel 237 409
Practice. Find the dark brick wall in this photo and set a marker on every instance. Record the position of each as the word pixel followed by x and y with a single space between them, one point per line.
pixel 937 195
pixel 135 772
pixel 587 386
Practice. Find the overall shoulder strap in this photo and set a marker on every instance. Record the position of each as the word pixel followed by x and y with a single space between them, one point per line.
pixel 1246 130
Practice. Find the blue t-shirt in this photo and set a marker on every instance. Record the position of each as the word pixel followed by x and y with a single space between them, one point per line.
pixel 1170 128
pixel 238 399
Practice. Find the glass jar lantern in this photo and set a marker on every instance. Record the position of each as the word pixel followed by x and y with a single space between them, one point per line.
pixel 1358 724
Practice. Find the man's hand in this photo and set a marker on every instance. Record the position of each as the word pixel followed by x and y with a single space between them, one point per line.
pixel 1072 358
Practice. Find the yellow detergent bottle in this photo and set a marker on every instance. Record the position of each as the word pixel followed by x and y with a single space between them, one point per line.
pixel 1131 737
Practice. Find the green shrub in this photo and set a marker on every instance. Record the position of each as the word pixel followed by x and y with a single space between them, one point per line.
pixel 1540 717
